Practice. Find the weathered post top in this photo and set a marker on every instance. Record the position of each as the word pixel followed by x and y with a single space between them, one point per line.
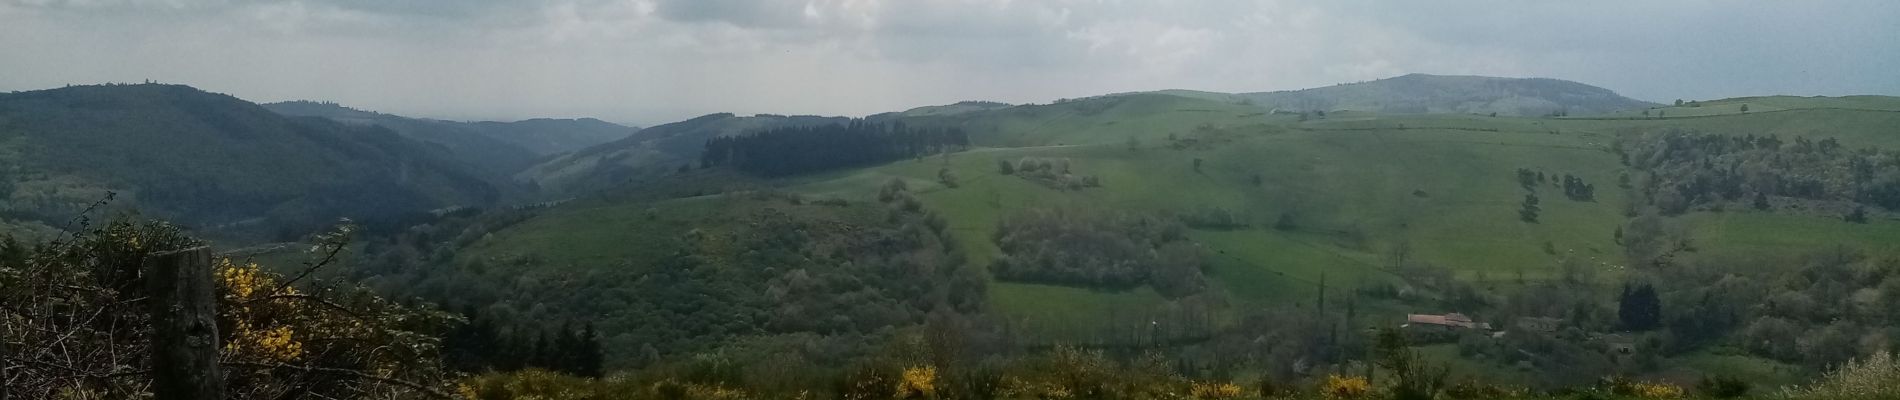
pixel 184 325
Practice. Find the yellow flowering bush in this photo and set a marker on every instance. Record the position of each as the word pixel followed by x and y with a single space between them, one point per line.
pixel 1338 387
pixel 1214 390
pixel 918 383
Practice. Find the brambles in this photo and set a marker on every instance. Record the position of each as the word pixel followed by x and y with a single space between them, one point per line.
pixel 280 339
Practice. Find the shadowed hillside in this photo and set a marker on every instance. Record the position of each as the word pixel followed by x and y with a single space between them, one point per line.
pixel 214 161
pixel 501 148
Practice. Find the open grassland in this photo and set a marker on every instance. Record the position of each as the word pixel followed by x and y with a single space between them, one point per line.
pixel 1359 187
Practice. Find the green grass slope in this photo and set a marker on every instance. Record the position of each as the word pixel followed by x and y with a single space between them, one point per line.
pixel 1359 186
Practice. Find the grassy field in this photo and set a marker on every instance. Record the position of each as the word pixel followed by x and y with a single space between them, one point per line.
pixel 1358 187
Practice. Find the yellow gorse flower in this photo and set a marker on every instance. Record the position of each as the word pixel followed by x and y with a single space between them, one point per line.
pixel 918 382
pixel 1214 390
pixel 1339 387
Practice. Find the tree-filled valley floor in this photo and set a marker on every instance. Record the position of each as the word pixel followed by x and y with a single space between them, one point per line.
pixel 1236 243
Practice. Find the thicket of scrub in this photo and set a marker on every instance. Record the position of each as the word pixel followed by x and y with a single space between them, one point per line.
pixel 1099 249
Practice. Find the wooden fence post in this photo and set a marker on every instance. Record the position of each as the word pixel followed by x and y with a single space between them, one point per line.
pixel 3 371
pixel 184 325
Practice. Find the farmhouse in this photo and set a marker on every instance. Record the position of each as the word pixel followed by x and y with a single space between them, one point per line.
pixel 1447 321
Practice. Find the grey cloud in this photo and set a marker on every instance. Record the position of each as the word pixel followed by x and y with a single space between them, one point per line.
pixel 650 61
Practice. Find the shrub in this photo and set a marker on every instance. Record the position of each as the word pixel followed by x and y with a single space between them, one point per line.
pixel 1722 387
pixel 1876 377
pixel 918 383
pixel 1214 390
pixel 1337 387
pixel 868 382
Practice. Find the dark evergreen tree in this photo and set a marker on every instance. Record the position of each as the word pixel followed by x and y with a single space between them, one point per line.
pixel 590 357
pixel 1638 308
pixel 1529 210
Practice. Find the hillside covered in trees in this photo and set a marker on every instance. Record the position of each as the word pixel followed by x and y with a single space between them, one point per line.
pixel 216 163
pixel 501 148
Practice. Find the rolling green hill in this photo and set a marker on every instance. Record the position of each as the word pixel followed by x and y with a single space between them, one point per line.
pixel 1437 94
pixel 214 162
pixel 1361 202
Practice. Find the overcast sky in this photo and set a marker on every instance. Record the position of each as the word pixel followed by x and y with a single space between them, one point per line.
pixel 655 61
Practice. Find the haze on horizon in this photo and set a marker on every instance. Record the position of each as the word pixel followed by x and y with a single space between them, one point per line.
pixel 655 61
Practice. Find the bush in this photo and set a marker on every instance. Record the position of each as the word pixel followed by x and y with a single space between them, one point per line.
pixel 1214 390
pixel 1346 387
pixel 1872 378
pixel 1723 387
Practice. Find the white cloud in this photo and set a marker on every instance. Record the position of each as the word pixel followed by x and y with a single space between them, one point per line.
pixel 652 61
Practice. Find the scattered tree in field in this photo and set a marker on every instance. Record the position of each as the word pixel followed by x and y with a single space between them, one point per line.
pixel 1858 216
pixel 892 189
pixel 1528 210
pixel 947 177
pixel 1576 189
pixel 1197 165
pixel 1111 250
pixel 1744 108
pixel 1678 102
pixel 1055 173
pixel 1005 167
pixel 1527 179
pixel 1285 222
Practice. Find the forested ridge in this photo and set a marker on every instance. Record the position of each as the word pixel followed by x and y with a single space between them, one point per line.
pixel 794 150
pixel 209 160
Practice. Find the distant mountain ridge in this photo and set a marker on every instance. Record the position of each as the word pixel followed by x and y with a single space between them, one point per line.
pixel 501 147
pixel 1438 94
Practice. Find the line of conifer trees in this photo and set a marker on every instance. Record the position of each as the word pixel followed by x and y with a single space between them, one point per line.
pixel 801 149
pixel 481 346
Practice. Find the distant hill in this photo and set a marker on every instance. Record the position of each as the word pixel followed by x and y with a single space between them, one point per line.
pixel 502 148
pixel 960 107
pixel 1440 94
pixel 214 161
pixel 652 151
pixel 549 136
pixel 664 148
